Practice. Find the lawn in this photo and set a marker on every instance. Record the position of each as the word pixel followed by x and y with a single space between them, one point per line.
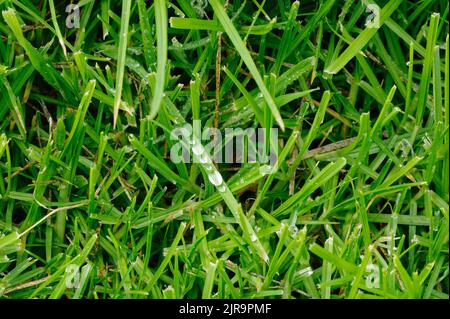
pixel 224 149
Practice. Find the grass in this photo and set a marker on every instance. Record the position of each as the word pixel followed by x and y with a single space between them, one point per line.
pixel 357 205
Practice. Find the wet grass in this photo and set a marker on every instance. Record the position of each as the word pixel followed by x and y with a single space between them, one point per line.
pixel 91 206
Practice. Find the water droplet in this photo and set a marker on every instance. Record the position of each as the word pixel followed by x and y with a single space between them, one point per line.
pixel 265 169
pixel 253 237
pixel 128 149
pixel 197 149
pixel 215 178
pixel 203 158
pixel 221 188
pixel 293 230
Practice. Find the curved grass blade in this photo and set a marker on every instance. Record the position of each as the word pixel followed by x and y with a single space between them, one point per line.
pixel 243 52
pixel 161 50
pixel 361 41
pixel 122 54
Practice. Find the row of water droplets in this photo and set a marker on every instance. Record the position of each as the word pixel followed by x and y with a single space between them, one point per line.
pixel 213 175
